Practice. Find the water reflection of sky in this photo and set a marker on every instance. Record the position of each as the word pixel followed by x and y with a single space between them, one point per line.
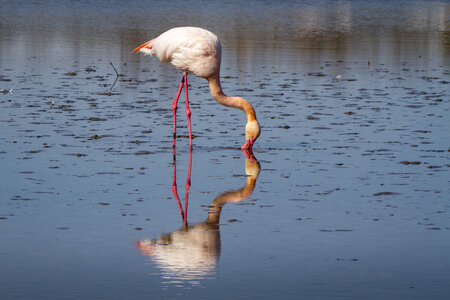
pixel 348 27
pixel 352 198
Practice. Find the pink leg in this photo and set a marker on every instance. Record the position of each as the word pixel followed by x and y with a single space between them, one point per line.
pixel 174 109
pixel 188 111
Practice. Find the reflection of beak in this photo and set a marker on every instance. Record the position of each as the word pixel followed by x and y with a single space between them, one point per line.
pixel 249 154
pixel 145 247
pixel 248 144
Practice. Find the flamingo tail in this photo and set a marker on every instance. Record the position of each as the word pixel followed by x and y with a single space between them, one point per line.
pixel 145 48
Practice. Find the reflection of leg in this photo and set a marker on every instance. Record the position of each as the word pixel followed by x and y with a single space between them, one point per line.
pixel 174 109
pixel 188 181
pixel 188 111
pixel 174 187
pixel 188 185
pixel 185 209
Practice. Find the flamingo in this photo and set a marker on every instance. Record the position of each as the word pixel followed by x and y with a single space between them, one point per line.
pixel 196 50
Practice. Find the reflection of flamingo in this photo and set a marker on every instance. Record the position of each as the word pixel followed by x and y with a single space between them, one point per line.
pixel 192 252
pixel 198 51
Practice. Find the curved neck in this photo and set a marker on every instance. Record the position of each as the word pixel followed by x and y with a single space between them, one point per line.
pixel 231 196
pixel 221 98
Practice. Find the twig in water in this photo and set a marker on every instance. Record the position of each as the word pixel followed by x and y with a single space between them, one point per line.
pixel 114 69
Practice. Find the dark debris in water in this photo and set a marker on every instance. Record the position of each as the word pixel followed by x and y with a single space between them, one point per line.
pixel 405 162
pixel 346 259
pixel 335 230
pixel 385 194
pixel 233 220
pixel 96 119
pixel 95 137
pixel 316 74
pixel 20 198
pixel 108 94
pixel 63 228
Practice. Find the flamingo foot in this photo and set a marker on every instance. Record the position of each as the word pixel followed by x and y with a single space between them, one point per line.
pixel 248 145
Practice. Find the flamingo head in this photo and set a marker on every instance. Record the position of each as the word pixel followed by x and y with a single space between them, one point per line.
pixel 252 131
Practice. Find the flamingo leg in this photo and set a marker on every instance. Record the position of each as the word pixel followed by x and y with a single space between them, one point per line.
pixel 174 109
pixel 188 111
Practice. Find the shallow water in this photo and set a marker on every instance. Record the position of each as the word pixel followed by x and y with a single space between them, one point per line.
pixel 348 197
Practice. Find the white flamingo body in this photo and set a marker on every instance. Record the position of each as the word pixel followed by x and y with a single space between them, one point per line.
pixel 198 51
pixel 189 49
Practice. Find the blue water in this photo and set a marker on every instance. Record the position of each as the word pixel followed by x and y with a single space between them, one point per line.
pixel 348 195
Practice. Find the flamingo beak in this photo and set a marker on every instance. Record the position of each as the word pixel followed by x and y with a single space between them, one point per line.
pixel 248 144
